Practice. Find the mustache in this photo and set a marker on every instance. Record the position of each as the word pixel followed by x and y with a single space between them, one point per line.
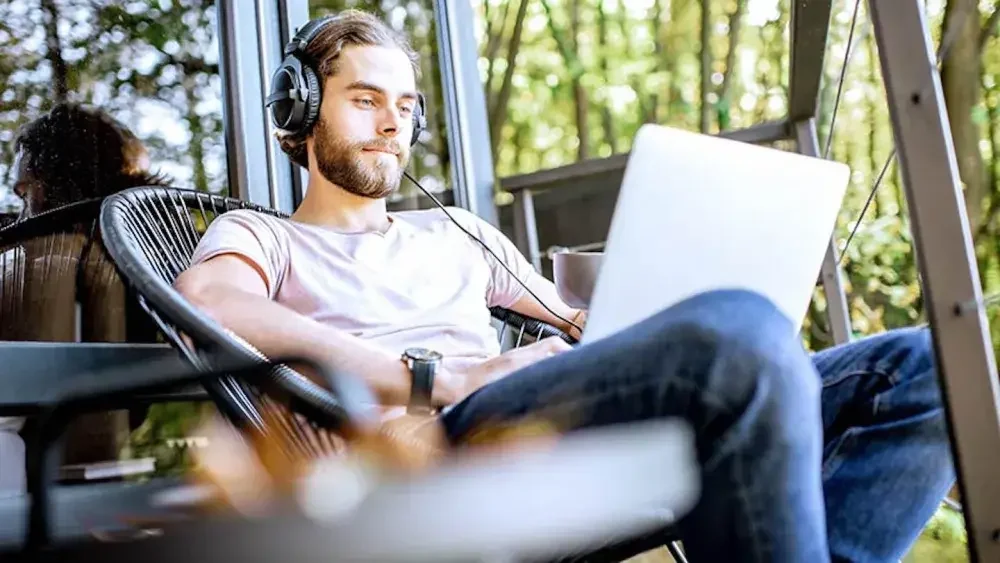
pixel 384 145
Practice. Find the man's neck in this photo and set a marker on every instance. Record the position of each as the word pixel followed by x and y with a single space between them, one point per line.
pixel 328 205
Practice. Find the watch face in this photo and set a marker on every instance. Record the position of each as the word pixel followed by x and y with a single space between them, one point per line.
pixel 422 355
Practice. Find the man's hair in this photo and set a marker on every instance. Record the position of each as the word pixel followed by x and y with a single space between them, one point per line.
pixel 351 28
pixel 78 153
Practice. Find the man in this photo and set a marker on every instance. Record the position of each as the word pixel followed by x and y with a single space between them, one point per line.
pixel 843 455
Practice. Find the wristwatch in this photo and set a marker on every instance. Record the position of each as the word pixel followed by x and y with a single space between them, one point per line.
pixel 423 364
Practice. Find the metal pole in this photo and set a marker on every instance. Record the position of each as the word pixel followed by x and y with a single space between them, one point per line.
pixel 242 101
pixel 294 14
pixel 270 46
pixel 525 229
pixel 837 313
pixel 949 273
pixel 465 106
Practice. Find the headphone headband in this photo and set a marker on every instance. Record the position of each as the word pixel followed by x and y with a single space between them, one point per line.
pixel 297 89
pixel 304 36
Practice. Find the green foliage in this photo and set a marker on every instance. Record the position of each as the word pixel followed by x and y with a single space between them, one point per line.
pixel 943 541
pixel 152 64
pixel 162 436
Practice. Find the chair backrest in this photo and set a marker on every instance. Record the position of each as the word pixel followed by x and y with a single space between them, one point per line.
pixel 57 284
pixel 151 233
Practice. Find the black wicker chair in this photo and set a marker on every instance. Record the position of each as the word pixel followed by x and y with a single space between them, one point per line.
pixel 151 234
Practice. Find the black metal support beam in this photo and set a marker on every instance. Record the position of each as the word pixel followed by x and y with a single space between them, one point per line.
pixel 949 271
pixel 810 25
pixel 837 312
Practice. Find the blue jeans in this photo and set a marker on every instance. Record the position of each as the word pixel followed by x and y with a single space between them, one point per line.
pixel 840 456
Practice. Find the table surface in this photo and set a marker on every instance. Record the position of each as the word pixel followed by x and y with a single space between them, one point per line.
pixel 31 372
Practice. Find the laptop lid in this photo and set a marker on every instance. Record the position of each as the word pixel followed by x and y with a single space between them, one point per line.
pixel 697 213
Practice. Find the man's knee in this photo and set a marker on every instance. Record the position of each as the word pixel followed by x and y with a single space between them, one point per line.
pixel 733 312
pixel 746 349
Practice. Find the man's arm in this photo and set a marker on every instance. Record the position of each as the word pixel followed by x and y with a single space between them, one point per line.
pixel 232 291
pixel 546 291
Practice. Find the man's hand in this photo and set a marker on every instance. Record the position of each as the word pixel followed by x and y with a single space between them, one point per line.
pixel 496 368
pixel 579 320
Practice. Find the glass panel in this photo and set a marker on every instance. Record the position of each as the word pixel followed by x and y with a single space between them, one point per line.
pixel 150 65
pixel 430 161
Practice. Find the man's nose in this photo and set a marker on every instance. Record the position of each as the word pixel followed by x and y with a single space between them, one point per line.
pixel 390 122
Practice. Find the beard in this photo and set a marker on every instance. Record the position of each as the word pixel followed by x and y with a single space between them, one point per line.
pixel 340 162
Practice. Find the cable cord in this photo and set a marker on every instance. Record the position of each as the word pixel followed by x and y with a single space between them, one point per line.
pixel 490 250
pixel 944 47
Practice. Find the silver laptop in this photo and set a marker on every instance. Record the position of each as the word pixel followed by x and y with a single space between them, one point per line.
pixel 697 213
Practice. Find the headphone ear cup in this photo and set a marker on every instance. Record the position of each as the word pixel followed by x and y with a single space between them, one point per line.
pixel 283 105
pixel 419 119
pixel 314 102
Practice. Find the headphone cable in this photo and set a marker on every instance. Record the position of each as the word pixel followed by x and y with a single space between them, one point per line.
pixel 490 250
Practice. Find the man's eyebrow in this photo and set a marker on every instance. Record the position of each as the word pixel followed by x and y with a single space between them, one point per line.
pixel 362 85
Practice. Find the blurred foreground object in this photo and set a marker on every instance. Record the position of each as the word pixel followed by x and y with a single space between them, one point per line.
pixel 527 503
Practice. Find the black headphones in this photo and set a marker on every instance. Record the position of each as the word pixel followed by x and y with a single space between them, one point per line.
pixel 297 89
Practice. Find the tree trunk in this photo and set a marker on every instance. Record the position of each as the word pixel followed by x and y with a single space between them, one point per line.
pixel 960 82
pixel 498 113
pixel 989 228
pixel 520 139
pixel 607 120
pixel 437 116
pixel 645 111
pixel 655 23
pixel 988 231
pixel 568 49
pixel 200 177
pixel 724 108
pixel 993 186
pixel 874 166
pixel 493 42
pixel 53 52
pixel 579 93
pixel 671 54
pixel 706 65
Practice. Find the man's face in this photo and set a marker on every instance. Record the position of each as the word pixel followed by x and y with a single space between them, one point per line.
pixel 361 141
pixel 28 188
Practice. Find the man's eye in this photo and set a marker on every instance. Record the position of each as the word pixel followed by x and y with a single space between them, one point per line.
pixel 365 102
pixel 406 110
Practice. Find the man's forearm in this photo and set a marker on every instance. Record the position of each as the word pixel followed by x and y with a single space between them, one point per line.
pixel 277 331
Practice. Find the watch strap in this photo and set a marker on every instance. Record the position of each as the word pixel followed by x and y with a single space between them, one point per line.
pixel 421 386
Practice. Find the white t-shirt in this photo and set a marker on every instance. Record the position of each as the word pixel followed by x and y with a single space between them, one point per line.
pixel 423 282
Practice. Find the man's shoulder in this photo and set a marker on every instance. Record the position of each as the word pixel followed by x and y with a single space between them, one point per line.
pixel 248 225
pixel 435 218
pixel 251 218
